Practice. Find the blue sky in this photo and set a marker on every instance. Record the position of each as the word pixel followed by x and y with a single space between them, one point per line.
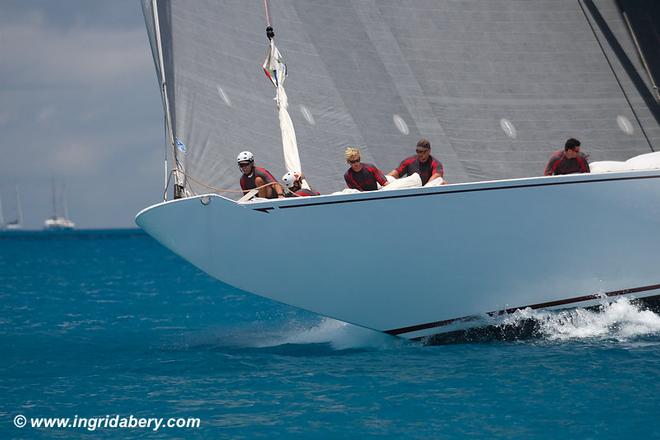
pixel 80 105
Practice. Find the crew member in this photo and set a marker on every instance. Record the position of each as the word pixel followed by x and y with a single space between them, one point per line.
pixel 293 181
pixel 422 163
pixel 568 161
pixel 256 177
pixel 361 175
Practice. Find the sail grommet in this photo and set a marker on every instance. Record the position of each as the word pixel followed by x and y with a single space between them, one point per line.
pixel 205 200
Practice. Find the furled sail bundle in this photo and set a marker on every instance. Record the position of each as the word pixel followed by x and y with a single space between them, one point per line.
pixel 275 70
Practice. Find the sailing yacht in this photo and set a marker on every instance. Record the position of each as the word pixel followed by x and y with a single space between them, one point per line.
pixel 496 86
pixel 56 222
pixel 17 224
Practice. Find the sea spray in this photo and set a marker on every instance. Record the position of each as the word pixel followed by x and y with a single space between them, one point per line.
pixel 621 320
pixel 340 336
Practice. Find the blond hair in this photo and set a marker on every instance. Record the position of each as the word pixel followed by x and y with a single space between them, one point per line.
pixel 352 153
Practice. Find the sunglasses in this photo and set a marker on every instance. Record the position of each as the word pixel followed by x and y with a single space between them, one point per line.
pixel 244 165
pixel 353 161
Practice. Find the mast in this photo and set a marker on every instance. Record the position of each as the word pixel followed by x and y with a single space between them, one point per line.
pixel 178 178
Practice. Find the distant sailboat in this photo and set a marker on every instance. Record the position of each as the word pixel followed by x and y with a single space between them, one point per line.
pixel 57 223
pixel 17 224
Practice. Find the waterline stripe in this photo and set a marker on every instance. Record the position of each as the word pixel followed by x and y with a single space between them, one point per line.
pixel 577 299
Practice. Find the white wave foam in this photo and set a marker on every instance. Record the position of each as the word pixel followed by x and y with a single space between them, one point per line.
pixel 340 336
pixel 620 320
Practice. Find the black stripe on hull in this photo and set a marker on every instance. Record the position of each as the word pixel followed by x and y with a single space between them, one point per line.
pixel 522 330
pixel 577 299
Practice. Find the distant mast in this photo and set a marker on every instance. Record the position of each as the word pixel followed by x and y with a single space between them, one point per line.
pixel 52 187
pixel 19 207
pixel 66 204
pixel 2 218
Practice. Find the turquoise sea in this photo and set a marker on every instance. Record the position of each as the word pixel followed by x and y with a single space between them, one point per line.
pixel 110 325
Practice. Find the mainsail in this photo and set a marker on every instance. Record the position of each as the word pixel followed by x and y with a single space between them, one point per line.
pixel 496 86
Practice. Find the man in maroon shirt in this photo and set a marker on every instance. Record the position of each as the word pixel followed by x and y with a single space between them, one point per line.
pixel 256 177
pixel 568 161
pixel 422 163
pixel 361 175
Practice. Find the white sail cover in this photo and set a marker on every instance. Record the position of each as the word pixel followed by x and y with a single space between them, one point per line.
pixel 495 86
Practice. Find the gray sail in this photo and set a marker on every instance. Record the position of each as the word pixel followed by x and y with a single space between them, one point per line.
pixel 495 86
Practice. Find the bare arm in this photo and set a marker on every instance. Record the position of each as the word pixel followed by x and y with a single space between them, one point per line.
pixel 263 192
pixel 278 188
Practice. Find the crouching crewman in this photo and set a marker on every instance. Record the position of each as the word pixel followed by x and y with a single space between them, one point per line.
pixel 293 181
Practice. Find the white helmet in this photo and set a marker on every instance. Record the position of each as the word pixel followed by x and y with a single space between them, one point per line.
pixel 245 156
pixel 290 178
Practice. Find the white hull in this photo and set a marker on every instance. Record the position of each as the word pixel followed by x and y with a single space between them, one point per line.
pixel 413 262
pixel 59 224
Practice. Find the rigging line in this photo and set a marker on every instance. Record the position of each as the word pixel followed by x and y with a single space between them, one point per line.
pixel 165 160
pixel 218 189
pixel 640 53
pixel 609 63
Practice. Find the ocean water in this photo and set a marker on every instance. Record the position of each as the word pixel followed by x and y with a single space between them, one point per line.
pixel 109 324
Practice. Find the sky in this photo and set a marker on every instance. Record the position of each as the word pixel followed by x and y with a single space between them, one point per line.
pixel 80 108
